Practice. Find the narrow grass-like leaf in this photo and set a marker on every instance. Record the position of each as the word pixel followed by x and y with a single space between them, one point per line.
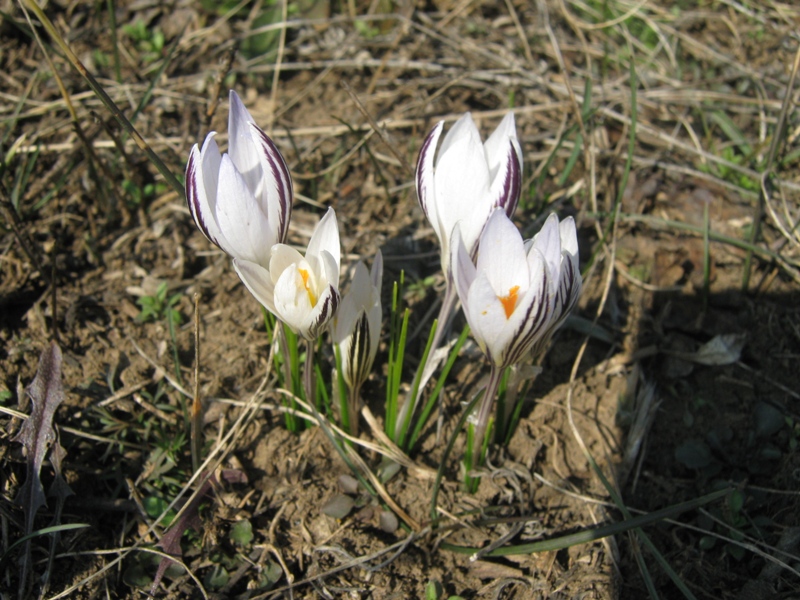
pixel 40 532
pixel 596 533
pixel 730 129
pixel 391 398
pixel 426 410
pixel 577 150
pixel 112 25
pixel 415 387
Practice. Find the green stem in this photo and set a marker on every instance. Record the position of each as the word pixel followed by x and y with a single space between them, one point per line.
pixel 308 375
pixel 428 367
pixel 487 401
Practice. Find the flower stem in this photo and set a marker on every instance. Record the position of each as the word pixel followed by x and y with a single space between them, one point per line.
pixel 430 365
pixel 353 406
pixel 485 412
pixel 308 375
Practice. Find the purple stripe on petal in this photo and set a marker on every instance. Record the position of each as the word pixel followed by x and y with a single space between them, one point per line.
pixel 329 308
pixel 427 146
pixel 192 198
pixel 512 183
pixel 359 350
pixel 533 325
pixel 283 179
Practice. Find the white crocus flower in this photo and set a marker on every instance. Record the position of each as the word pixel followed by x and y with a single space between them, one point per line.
pixel 302 291
pixel 241 200
pixel 357 326
pixel 517 293
pixel 466 180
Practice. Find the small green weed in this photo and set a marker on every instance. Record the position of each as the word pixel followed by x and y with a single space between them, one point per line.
pixel 159 306
pixel 149 42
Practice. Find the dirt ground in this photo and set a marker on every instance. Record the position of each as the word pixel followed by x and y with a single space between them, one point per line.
pixel 666 198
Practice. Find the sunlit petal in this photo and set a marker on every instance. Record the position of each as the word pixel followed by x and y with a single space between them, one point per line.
pixel 241 217
pixel 502 255
pixel 258 282
pixel 325 236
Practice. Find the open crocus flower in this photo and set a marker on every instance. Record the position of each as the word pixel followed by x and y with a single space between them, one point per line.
pixel 518 293
pixel 357 326
pixel 468 179
pixel 241 200
pixel 302 291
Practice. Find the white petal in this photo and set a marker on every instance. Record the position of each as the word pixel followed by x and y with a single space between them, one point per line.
pixel 376 272
pixel 329 271
pixel 361 286
pixel 210 158
pixel 200 197
pixel 463 131
pixel 258 281
pixel 345 318
pixel 464 272
pixel 240 217
pixel 292 302
pixel 462 188
pixel 241 146
pixel 496 146
pixel 501 255
pixel 281 258
pixel 275 190
pixel 426 193
pixel 568 236
pixel 548 242
pixel 487 318
pixel 375 317
pixel 325 237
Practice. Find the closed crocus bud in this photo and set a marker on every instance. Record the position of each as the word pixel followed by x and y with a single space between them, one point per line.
pixel 466 180
pixel 241 200
pixel 357 326
pixel 517 294
pixel 564 276
pixel 302 291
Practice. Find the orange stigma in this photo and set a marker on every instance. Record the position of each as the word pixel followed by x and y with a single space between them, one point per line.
pixel 311 297
pixel 509 302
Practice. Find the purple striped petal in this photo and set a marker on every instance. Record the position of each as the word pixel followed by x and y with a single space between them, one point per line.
pixel 512 183
pixel 197 197
pixel 425 167
pixel 280 193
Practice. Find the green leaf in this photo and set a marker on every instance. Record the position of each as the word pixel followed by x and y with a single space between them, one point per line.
pixel 433 590
pixel 242 533
pixel 695 454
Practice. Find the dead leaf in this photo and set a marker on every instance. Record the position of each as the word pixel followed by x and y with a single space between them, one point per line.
pixel 723 349
pixel 38 436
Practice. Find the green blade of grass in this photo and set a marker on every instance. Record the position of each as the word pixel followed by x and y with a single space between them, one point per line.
pixel 426 410
pixel 40 532
pixel 415 386
pixel 596 533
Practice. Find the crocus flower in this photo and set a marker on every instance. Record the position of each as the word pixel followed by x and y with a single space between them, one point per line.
pixel 518 293
pixel 466 180
pixel 514 298
pixel 241 200
pixel 302 291
pixel 357 326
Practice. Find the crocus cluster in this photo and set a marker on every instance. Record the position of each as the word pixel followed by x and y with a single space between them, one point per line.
pixel 242 202
pixel 518 293
pixel 515 293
